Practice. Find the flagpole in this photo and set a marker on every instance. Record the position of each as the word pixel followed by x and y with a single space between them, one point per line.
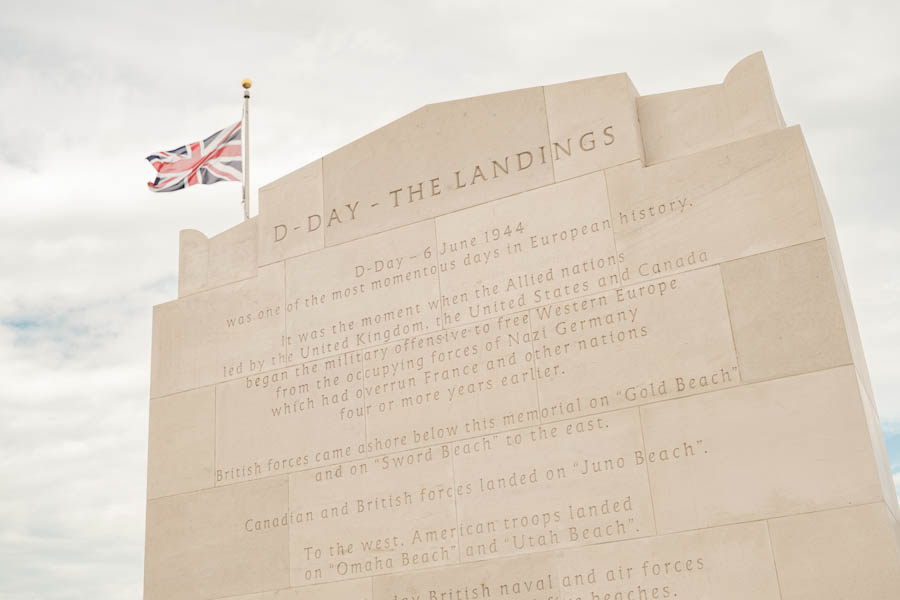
pixel 245 139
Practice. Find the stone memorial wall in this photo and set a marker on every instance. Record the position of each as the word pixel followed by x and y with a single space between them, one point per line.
pixel 560 343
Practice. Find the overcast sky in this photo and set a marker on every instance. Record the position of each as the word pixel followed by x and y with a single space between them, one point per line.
pixel 88 89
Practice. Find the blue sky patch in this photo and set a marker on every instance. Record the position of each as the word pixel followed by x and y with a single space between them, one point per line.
pixel 892 440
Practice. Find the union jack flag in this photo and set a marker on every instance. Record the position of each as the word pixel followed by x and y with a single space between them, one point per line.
pixel 215 159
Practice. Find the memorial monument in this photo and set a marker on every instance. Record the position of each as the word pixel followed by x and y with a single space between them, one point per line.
pixel 559 343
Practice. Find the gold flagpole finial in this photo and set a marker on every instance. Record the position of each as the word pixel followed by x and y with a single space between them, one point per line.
pixel 246 84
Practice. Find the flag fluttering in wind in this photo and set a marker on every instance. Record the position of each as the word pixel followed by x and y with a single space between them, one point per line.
pixel 216 158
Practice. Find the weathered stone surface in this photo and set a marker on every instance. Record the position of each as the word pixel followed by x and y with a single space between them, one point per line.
pixel 286 227
pixel 228 332
pixel 578 500
pixel 679 123
pixel 785 446
pixel 361 294
pixel 724 203
pixel 439 159
pixel 217 542
pixel 593 125
pixel 550 255
pixel 651 341
pixel 879 449
pixel 702 564
pixel 181 453
pixel 785 312
pixel 301 422
pixel 205 263
pixel 354 589
pixel 377 512
pixel 562 342
pixel 844 553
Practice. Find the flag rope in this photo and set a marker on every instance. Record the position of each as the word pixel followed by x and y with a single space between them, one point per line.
pixel 245 138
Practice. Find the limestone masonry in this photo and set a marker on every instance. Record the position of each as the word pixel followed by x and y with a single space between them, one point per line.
pixel 559 343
